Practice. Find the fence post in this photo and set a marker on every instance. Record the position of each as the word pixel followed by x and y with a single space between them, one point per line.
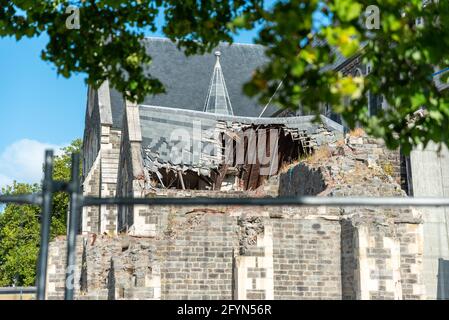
pixel 74 189
pixel 47 203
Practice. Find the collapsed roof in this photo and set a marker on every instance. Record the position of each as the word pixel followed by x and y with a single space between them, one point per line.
pixel 177 142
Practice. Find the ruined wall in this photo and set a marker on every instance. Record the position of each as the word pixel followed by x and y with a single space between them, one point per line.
pixel 240 252
pixel 250 253
pixel 373 152
pixel 56 265
pixel 301 180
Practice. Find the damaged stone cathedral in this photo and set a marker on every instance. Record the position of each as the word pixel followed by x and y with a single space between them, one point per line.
pixel 204 138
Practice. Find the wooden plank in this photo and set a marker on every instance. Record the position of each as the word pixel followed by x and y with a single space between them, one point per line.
pixel 221 176
pixel 181 180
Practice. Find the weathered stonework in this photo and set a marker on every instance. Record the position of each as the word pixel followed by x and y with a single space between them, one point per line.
pixel 91 187
pixel 306 259
pixel 109 173
pixel 239 252
pixel 101 148
pixel 57 268
pixel 204 255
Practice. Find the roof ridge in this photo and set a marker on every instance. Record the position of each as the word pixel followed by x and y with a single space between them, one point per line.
pixel 221 42
pixel 307 120
pixel 156 38
pixel 224 117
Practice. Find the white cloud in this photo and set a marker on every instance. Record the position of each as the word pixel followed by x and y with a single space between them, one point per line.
pixel 4 180
pixel 22 161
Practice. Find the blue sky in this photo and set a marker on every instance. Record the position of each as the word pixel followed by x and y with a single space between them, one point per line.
pixel 39 109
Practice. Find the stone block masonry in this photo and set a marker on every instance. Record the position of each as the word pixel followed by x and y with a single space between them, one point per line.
pixel 253 267
pixel 57 268
pixel 101 181
pixel 91 186
pixel 239 252
pixel 305 261
pixel 250 253
pixel 197 262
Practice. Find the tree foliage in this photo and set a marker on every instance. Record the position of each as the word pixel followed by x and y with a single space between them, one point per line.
pixel 403 56
pixel 62 172
pixel 20 225
pixel 19 239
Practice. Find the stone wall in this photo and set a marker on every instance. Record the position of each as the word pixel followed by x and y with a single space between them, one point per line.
pixel 411 239
pixel 301 180
pixel 101 181
pixel 110 150
pixel 91 187
pixel 57 267
pixel 241 252
pixel 373 152
pixel 348 260
pixel 305 261
pixel 197 263
pixel 150 221
pixel 92 132
pixel 430 178
pixel 378 262
pixel 250 253
pixel 101 147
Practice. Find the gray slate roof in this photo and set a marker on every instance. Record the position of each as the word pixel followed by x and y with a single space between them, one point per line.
pixel 186 79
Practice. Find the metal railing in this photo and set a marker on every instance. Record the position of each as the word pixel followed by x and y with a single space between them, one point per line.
pixel 17 293
pixel 77 201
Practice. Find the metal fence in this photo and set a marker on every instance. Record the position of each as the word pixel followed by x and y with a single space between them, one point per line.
pixel 77 201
